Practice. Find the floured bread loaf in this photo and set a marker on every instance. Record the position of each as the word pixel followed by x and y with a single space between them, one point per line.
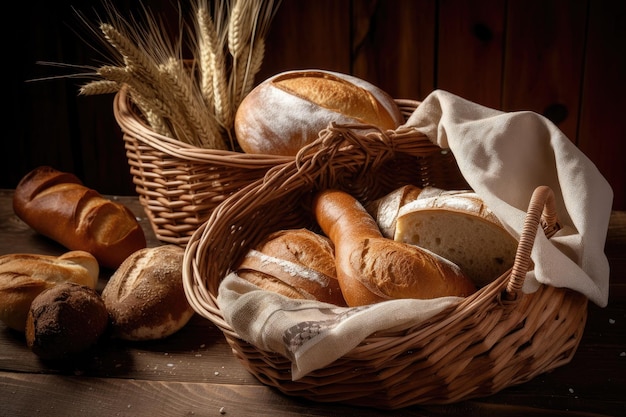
pixel 459 227
pixel 297 263
pixel 287 111
pixel 145 296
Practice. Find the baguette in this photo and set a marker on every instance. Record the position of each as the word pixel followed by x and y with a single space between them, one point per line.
pixel 57 205
pixel 372 268
pixel 24 276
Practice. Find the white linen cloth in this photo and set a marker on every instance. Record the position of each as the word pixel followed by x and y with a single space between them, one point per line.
pixel 504 157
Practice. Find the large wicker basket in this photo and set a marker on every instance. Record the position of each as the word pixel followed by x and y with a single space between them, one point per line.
pixel 493 339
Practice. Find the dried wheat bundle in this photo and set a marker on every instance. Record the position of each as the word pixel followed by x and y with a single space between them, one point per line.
pixel 193 100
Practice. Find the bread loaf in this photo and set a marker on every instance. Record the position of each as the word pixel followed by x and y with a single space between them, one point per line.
pixel 145 296
pixel 296 263
pixel 287 111
pixel 24 276
pixel 460 227
pixel 57 205
pixel 372 268
pixel 65 320
pixel 385 209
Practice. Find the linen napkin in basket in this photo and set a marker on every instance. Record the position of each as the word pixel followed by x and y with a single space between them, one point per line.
pixel 503 157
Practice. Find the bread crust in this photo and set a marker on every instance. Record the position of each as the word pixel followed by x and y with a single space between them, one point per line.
pixel 65 320
pixel 297 263
pixel 459 226
pixel 372 268
pixel 287 111
pixel 145 296
pixel 57 205
pixel 24 276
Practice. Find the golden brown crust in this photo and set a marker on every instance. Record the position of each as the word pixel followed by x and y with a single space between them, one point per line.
pixel 145 296
pixel 372 268
pixel 57 205
pixel 24 276
pixel 297 263
pixel 287 111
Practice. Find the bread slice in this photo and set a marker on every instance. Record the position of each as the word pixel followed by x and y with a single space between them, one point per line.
pixel 459 227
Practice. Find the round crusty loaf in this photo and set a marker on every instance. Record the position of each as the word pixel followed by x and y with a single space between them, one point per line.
pixel 460 227
pixel 65 320
pixel 297 263
pixel 287 111
pixel 145 296
pixel 24 276
pixel 372 268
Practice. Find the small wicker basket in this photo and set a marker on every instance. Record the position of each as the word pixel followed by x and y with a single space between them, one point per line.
pixel 178 184
pixel 493 339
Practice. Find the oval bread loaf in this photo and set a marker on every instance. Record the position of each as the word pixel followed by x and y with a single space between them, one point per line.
pixel 297 263
pixel 287 111
pixel 24 276
pixel 460 227
pixel 145 296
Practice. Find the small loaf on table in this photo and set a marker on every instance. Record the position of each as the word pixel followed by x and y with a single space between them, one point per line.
pixel 145 296
pixel 57 205
pixel 23 276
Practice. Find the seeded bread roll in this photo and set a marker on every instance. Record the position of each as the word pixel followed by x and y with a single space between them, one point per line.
pixel 145 296
pixel 296 263
pixel 372 268
pixel 461 228
pixel 24 276
pixel 287 111
pixel 65 320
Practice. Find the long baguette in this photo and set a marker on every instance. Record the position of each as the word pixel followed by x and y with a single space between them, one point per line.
pixel 372 268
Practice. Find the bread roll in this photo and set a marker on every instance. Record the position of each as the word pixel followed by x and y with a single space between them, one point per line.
pixel 58 206
pixel 372 268
pixel 461 228
pixel 24 276
pixel 65 320
pixel 287 111
pixel 296 263
pixel 145 296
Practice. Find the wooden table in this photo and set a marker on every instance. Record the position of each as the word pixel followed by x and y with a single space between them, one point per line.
pixel 193 373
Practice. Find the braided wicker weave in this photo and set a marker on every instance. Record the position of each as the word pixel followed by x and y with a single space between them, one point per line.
pixel 178 184
pixel 493 339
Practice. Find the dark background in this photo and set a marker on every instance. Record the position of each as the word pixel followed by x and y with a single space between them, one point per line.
pixel 564 59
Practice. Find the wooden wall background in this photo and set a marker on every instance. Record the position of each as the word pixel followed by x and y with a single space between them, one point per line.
pixel 564 59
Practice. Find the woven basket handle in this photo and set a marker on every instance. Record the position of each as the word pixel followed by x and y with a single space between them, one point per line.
pixel 541 210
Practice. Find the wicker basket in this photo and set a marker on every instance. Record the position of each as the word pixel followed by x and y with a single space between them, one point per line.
pixel 178 184
pixel 495 338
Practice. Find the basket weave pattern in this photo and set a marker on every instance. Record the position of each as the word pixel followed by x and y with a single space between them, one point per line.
pixel 493 339
pixel 178 184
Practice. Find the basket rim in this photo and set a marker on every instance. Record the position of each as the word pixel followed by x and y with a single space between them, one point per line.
pixel 133 125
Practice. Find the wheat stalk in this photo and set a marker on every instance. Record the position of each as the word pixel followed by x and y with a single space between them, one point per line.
pixel 194 104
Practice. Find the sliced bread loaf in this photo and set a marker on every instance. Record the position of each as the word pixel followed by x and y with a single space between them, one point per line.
pixel 459 227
